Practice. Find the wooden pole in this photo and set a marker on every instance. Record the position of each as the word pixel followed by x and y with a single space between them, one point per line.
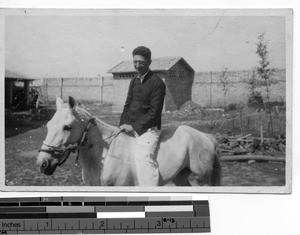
pixel 251 157
pixel 26 92
pixel 46 97
pixel 61 88
pixel 210 95
pixel 241 122
pixel 102 85
pixel 248 123
pixel 261 134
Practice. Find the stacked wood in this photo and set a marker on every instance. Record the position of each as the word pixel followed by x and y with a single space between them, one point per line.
pixel 246 147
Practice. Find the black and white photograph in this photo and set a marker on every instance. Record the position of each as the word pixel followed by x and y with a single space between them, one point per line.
pixel 147 100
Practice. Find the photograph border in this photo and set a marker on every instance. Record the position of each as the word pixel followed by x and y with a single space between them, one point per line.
pixel 288 13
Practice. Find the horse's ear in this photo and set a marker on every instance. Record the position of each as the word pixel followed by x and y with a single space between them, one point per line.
pixel 71 101
pixel 59 103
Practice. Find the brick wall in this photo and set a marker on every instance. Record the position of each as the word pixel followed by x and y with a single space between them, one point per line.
pixel 90 89
pixel 120 88
pixel 204 92
pixel 207 88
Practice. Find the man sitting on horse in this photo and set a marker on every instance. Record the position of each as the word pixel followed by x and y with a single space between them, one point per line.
pixel 141 115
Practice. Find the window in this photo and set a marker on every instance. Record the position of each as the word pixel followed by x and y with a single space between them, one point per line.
pixel 181 74
pixel 172 73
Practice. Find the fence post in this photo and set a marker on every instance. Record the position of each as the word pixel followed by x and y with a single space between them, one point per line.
pixel 248 123
pixel 61 88
pixel 46 97
pixel 210 95
pixel 102 85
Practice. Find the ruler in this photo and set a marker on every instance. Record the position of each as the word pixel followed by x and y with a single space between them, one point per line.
pixel 96 215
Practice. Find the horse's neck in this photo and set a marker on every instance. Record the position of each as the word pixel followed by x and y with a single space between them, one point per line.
pixel 90 157
pixel 106 130
pixel 92 153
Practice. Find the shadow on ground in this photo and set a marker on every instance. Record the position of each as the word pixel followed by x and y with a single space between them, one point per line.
pixel 19 122
pixel 16 126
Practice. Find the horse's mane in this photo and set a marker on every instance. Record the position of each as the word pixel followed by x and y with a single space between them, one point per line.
pixel 81 109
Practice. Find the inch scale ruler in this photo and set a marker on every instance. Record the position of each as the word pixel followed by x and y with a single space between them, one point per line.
pixel 96 215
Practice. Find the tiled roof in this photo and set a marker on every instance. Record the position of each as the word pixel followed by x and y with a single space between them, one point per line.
pixel 16 76
pixel 158 64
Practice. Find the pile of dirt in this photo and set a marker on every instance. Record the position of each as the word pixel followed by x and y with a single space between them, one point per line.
pixel 191 108
pixel 188 109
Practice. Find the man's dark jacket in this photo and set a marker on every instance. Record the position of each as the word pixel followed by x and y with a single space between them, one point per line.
pixel 144 103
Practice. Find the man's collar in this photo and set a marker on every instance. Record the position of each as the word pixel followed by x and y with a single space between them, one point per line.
pixel 143 76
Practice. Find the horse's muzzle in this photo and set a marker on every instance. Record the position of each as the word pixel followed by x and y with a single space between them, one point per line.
pixel 47 168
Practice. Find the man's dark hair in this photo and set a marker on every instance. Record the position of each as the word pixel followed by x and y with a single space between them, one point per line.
pixel 143 51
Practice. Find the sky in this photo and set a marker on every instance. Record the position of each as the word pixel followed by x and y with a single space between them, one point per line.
pixel 89 45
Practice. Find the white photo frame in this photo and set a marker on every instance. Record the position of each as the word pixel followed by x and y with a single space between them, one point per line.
pixel 285 14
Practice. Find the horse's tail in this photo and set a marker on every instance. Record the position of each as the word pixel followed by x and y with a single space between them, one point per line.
pixel 217 170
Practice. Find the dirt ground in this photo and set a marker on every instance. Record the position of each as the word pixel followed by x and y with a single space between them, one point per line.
pixel 21 147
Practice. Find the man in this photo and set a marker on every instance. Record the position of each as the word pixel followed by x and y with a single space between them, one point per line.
pixel 142 115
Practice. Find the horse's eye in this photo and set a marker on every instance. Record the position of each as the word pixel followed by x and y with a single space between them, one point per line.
pixel 67 128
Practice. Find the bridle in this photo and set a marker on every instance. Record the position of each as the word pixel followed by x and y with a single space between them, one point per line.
pixel 63 150
pixel 58 152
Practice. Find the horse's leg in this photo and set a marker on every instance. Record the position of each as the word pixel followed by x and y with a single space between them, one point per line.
pixel 217 169
pixel 90 173
pixel 201 165
pixel 187 178
pixel 175 159
pixel 181 179
pixel 90 179
pixel 86 178
pixel 199 180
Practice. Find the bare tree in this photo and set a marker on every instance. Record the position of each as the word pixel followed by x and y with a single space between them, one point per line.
pixel 255 97
pixel 264 72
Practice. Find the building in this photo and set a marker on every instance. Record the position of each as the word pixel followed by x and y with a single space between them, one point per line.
pixel 177 74
pixel 16 91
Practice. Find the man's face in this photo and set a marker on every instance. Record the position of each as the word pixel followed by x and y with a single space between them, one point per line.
pixel 141 65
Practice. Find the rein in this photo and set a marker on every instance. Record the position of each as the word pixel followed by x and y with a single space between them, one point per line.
pixel 57 152
pixel 114 135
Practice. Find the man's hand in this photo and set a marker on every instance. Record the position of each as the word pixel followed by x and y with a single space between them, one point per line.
pixel 127 128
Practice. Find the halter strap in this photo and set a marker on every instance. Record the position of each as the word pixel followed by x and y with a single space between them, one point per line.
pixel 83 138
pixel 57 151
pixel 51 146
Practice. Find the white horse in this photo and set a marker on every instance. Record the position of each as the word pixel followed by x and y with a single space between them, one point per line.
pixel 185 156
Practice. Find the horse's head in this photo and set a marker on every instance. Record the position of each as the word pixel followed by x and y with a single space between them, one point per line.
pixel 65 131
